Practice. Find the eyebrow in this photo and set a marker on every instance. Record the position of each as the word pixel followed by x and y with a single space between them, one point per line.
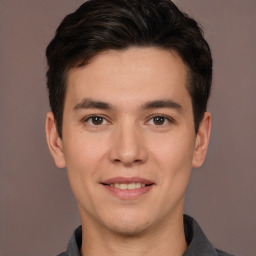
pixel 162 104
pixel 89 103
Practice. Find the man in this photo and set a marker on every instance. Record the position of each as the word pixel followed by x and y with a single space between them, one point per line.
pixel 128 86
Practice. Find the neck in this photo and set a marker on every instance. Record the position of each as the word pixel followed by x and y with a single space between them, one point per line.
pixel 167 239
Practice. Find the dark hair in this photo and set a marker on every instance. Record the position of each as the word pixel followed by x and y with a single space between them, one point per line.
pixel 100 25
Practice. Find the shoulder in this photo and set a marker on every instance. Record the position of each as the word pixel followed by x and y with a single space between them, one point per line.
pixel 198 244
pixel 222 253
pixel 62 254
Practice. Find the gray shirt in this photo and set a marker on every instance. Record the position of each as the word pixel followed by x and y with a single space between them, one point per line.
pixel 198 244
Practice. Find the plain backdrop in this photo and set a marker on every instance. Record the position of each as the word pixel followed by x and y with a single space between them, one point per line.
pixel 37 210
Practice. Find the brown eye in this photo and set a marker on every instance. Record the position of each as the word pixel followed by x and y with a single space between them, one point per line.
pixel 159 120
pixel 97 120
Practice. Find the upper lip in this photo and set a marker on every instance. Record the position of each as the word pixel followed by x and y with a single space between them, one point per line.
pixel 127 180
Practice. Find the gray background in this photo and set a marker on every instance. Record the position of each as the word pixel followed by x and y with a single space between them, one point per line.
pixel 37 210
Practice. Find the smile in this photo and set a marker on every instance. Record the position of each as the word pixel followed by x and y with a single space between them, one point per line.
pixel 127 188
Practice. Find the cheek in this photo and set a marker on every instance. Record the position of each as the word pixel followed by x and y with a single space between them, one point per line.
pixel 173 159
pixel 83 155
pixel 83 150
pixel 173 152
pixel 83 160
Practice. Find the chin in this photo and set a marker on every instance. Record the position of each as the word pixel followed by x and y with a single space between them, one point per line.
pixel 128 225
pixel 129 230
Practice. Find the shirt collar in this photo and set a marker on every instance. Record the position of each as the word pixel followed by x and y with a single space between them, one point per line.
pixel 198 244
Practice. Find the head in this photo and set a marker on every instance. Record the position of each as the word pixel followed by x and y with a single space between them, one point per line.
pixel 101 25
pixel 128 84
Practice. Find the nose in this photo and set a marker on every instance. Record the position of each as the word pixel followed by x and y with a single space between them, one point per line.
pixel 128 145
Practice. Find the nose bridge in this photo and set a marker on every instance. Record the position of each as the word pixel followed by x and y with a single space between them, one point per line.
pixel 128 143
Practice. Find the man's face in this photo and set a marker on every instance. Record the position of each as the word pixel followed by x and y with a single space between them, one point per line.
pixel 128 139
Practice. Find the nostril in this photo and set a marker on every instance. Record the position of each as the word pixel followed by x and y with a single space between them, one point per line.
pixel 127 161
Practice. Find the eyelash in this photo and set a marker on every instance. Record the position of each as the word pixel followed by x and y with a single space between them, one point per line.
pixel 86 120
pixel 167 119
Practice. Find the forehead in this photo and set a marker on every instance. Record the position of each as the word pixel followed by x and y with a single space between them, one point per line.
pixel 135 74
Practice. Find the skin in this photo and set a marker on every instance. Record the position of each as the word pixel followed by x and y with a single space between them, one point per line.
pixel 128 141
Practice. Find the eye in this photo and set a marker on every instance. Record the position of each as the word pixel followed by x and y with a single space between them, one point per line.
pixel 96 120
pixel 160 120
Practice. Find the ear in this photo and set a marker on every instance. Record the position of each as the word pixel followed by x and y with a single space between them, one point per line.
pixel 202 140
pixel 54 141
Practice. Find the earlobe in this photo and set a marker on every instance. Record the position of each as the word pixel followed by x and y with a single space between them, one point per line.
pixel 54 141
pixel 202 140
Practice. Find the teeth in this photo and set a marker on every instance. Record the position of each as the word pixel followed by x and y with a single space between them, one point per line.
pixel 123 186
pixel 128 186
pixel 131 186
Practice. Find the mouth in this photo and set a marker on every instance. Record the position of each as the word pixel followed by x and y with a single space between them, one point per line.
pixel 127 188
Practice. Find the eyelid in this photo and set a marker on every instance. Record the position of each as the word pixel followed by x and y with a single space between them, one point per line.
pixel 168 118
pixel 86 118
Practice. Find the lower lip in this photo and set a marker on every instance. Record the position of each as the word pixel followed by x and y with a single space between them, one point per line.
pixel 128 194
